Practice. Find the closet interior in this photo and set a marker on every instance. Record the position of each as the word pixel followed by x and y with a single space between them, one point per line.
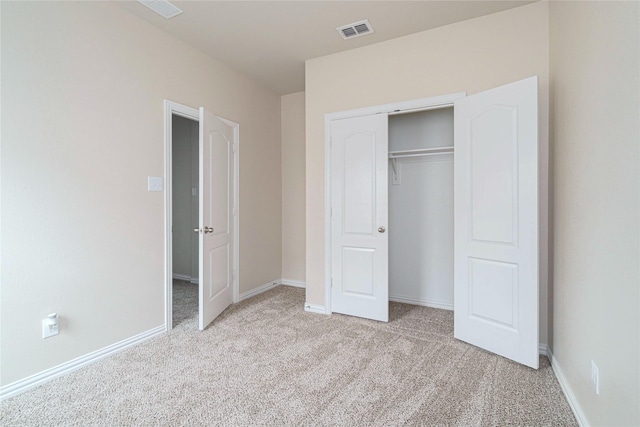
pixel 421 207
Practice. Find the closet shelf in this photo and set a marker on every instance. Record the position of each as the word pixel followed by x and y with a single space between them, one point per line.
pixel 420 152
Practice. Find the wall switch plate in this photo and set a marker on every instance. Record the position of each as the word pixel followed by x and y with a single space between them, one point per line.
pixel 50 326
pixel 154 183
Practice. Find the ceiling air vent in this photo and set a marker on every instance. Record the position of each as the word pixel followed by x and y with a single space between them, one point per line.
pixel 357 29
pixel 162 8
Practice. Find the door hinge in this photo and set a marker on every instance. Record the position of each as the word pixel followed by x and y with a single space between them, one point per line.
pixel 234 147
pixel 233 211
pixel 332 282
pixel 233 275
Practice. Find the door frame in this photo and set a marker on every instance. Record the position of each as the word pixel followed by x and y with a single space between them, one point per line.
pixel 411 106
pixel 172 108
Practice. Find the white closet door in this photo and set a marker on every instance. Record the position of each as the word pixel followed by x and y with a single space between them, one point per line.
pixel 359 244
pixel 215 217
pixel 496 221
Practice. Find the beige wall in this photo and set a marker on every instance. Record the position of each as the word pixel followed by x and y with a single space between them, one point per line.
pixel 595 68
pixel 83 85
pixel 293 205
pixel 469 56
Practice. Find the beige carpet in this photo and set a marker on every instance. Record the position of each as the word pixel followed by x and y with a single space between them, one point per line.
pixel 267 362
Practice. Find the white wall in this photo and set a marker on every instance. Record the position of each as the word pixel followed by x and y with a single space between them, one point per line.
pixel 83 85
pixel 293 206
pixel 471 56
pixel 184 162
pixel 595 69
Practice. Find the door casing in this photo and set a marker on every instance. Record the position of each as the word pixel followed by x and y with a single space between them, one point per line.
pixel 173 108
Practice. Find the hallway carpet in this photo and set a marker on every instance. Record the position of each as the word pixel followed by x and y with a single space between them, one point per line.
pixel 265 361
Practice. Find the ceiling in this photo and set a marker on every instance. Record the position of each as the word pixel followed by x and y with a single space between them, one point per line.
pixel 269 41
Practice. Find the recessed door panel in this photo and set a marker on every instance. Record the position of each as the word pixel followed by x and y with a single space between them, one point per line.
pixel 359 183
pixel 493 178
pixel 493 289
pixel 221 181
pixel 219 273
pixel 357 271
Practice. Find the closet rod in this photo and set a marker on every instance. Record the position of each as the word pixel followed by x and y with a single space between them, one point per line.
pixel 399 156
pixel 417 110
pixel 420 152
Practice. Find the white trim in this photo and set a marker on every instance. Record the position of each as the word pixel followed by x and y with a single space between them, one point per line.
pixel 443 101
pixel 236 198
pixel 327 213
pixel 543 349
pixel 421 302
pixel 414 105
pixel 294 283
pixel 67 367
pixel 185 277
pixel 314 308
pixel 568 392
pixel 236 222
pixel 260 289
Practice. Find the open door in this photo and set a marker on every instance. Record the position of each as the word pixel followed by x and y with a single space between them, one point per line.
pixel 496 221
pixel 359 243
pixel 216 218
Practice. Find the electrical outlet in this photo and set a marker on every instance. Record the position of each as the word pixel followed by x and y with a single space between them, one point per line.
pixel 50 326
pixel 595 377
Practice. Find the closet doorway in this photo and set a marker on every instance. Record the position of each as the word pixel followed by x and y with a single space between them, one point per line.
pixel 480 247
pixel 421 208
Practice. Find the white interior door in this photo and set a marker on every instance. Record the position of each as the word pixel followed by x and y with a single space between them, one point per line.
pixel 359 244
pixel 496 221
pixel 215 217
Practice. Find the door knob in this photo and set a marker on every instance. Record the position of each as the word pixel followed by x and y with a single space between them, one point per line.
pixel 196 230
pixel 381 229
pixel 208 230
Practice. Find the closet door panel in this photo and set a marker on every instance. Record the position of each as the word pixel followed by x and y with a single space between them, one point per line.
pixel 359 244
pixel 496 221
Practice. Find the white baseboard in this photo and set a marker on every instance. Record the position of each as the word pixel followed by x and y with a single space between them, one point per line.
pixel 271 285
pixel 314 308
pixel 568 393
pixel 293 283
pixel 422 302
pixel 258 290
pixel 29 382
pixel 543 349
pixel 186 278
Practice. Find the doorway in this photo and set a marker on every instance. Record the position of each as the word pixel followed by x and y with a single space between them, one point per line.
pixel 201 212
pixel 184 190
